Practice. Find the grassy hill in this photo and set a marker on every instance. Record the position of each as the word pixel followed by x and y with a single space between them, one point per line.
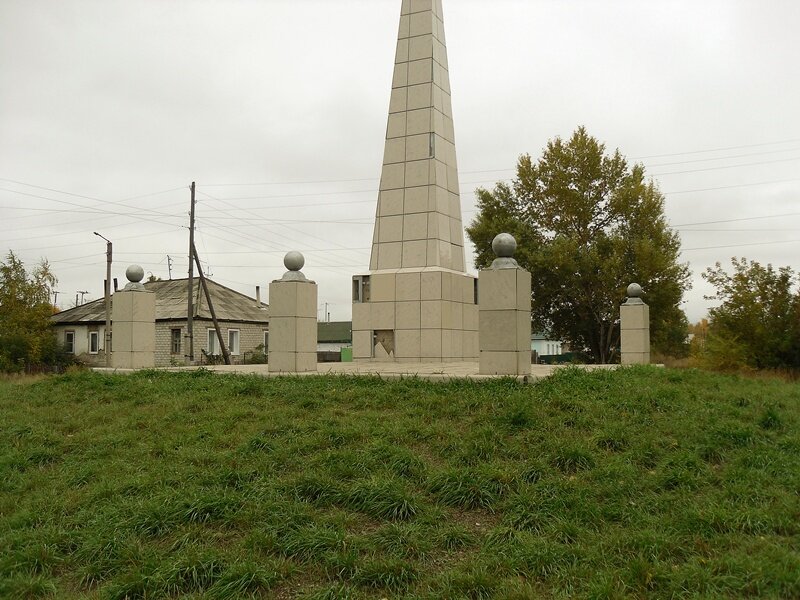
pixel 649 483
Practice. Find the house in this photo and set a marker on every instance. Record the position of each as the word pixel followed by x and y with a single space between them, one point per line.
pixel 332 336
pixel 243 321
pixel 543 346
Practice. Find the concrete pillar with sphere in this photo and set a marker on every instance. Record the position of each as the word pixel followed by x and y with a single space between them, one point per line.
pixel 634 316
pixel 293 320
pixel 504 313
pixel 133 314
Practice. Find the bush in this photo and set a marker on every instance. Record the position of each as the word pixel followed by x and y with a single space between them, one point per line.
pixel 257 357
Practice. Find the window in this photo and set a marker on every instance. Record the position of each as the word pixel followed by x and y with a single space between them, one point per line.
pixel 94 342
pixel 175 341
pixel 213 344
pixel 266 341
pixel 233 341
pixel 361 288
pixel 69 341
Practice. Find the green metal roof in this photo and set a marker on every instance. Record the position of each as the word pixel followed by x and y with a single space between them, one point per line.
pixel 335 331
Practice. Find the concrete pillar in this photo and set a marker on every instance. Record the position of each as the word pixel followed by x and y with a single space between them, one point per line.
pixel 634 326
pixel 293 320
pixel 133 314
pixel 504 313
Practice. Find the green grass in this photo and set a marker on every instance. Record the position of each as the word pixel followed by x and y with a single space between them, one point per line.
pixel 641 483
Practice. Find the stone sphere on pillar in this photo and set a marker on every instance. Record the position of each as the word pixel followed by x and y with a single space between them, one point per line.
pixel 293 260
pixel 634 291
pixel 134 273
pixel 504 245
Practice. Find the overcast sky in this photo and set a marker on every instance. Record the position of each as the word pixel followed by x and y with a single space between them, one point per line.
pixel 277 108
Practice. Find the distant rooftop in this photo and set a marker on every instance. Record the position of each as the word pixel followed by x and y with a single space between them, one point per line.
pixel 172 304
pixel 335 331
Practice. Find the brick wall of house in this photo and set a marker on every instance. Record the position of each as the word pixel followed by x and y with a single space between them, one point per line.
pixel 251 335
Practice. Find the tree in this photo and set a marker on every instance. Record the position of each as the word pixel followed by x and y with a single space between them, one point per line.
pixel 758 320
pixel 698 333
pixel 586 226
pixel 26 335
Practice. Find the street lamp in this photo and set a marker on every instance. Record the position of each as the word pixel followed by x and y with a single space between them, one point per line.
pixel 108 299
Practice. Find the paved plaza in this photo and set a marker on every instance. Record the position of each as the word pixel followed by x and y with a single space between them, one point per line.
pixel 387 370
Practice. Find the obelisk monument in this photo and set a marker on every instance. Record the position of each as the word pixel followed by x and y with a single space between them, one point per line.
pixel 417 304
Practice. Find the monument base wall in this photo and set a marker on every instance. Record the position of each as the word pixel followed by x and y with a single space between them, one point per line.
pixel 415 315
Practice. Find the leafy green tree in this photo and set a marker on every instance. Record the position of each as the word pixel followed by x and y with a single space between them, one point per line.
pixel 759 315
pixel 26 334
pixel 587 224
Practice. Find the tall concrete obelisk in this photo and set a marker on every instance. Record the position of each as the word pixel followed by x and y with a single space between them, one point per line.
pixel 418 303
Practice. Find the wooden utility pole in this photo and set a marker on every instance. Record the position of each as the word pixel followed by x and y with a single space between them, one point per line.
pixel 190 313
pixel 107 295
pixel 225 355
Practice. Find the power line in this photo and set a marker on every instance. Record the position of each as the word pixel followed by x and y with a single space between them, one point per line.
pixel 475 172
pixel 281 225
pixel 142 217
pixel 734 230
pixel 116 202
pixel 290 182
pixel 87 211
pixel 135 215
pixel 462 184
pixel 730 187
pixel 225 252
pixel 136 235
pixel 360 221
pixel 351 266
pixel 737 220
pixel 60 225
pixel 697 160
pixel 740 245
pixel 652 166
pixel 71 258
pixel 767 162
pixel 717 149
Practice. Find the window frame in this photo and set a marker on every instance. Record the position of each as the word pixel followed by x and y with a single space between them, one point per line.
pixel 173 339
pixel 213 342
pixel 233 349
pixel 96 336
pixel 266 340
pixel 69 346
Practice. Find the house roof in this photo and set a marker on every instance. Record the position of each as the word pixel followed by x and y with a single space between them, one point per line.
pixel 335 331
pixel 172 304
pixel 537 336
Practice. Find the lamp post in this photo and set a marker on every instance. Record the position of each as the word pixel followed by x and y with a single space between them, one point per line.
pixel 108 300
